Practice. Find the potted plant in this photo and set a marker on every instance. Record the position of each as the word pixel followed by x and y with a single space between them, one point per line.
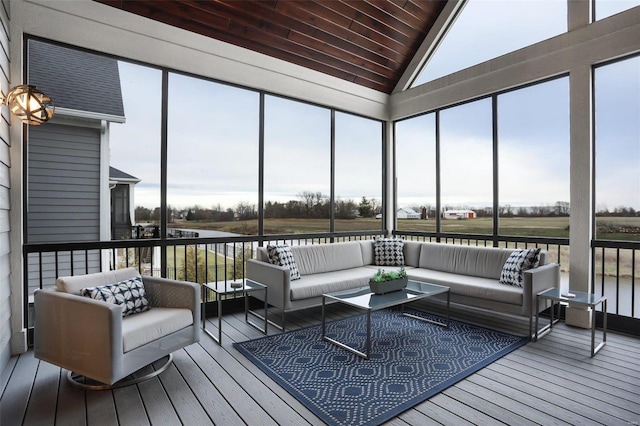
pixel 384 282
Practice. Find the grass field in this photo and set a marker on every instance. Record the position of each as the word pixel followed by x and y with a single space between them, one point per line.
pixel 213 264
pixel 517 226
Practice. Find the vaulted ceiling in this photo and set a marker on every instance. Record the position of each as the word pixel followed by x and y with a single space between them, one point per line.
pixel 367 42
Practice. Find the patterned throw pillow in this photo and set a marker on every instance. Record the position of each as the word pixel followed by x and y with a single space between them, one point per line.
pixel 519 261
pixel 388 252
pixel 129 293
pixel 281 255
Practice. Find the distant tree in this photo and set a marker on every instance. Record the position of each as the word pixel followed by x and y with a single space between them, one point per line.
pixel 344 209
pixel 562 208
pixel 155 216
pixel 365 209
pixel 142 214
pixel 194 267
pixel 246 211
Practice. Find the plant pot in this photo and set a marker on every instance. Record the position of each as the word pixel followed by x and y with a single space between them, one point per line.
pixel 388 286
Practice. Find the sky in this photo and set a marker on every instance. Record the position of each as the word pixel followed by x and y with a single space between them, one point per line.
pixel 213 131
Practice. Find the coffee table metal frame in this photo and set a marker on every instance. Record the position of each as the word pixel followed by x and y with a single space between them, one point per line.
pixel 580 298
pixel 363 298
pixel 222 288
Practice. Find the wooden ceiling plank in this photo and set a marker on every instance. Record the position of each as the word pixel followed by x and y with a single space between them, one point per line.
pixel 319 46
pixel 327 18
pixel 349 10
pixel 394 9
pixel 265 23
pixel 364 31
pixel 306 23
pixel 343 48
pixel 388 20
pixel 172 14
pixel 304 51
pixel 425 9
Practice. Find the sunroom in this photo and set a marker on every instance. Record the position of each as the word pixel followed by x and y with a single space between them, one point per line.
pixel 265 131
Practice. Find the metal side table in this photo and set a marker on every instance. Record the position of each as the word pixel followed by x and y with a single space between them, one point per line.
pixel 222 288
pixel 577 298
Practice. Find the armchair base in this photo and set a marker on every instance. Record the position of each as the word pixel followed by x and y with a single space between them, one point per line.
pixel 75 379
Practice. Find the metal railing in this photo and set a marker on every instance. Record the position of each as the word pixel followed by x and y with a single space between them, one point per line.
pixel 615 263
pixel 198 260
pixel 616 272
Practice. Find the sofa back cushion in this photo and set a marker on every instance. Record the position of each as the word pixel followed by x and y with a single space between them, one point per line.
pixel 412 253
pixel 76 283
pixel 483 262
pixel 319 258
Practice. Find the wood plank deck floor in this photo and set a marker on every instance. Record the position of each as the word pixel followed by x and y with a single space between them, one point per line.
pixel 552 382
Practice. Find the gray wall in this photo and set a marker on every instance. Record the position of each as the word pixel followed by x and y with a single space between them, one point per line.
pixel 63 197
pixel 5 266
pixel 63 184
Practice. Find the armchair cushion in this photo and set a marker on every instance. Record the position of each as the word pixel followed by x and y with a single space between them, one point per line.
pixel 128 293
pixel 138 330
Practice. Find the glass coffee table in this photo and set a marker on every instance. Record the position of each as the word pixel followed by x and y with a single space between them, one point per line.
pixel 363 298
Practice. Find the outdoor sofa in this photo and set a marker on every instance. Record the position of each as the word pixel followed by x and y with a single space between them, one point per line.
pixel 472 273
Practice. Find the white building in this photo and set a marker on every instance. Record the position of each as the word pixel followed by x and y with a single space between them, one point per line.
pixel 407 213
pixel 459 214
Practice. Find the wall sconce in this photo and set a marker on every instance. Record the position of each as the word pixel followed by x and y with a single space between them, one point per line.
pixel 29 104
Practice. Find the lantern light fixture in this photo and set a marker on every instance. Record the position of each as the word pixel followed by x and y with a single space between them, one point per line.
pixel 29 104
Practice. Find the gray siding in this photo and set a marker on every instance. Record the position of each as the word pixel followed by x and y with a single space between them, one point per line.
pixel 5 266
pixel 63 184
pixel 63 199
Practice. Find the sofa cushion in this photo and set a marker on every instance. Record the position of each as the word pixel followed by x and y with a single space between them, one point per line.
pixel 138 330
pixel 466 285
pixel 128 293
pixel 320 258
pixel 485 262
pixel 519 261
pixel 388 252
pixel 319 284
pixel 281 255
pixel 411 253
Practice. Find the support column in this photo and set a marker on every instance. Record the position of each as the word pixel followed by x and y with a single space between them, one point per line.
pixel 389 186
pixel 581 169
pixel 581 176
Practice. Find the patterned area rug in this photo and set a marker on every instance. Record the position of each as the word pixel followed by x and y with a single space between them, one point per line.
pixel 411 361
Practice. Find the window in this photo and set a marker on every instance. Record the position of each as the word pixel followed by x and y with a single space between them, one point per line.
pixel 617 148
pixel 533 160
pixel 358 173
pixel 487 29
pixel 212 156
pixel 297 166
pixel 135 144
pixel 416 173
pixel 606 8
pixel 466 165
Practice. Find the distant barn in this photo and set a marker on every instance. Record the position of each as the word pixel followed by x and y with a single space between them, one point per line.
pixel 407 213
pixel 459 214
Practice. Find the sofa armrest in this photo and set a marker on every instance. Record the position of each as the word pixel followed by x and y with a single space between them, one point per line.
pixel 537 280
pixel 168 293
pixel 277 279
pixel 79 333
